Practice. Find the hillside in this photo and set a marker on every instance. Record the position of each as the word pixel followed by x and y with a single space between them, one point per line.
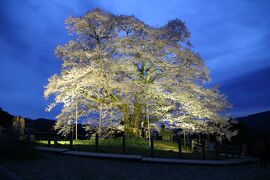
pixel 259 122
pixel 39 125
pixel 5 118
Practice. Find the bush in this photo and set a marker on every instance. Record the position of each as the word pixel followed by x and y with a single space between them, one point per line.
pixel 14 147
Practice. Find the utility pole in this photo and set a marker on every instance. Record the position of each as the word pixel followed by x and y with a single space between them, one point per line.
pixel 185 145
pixel 76 127
pixel 100 119
pixel 148 122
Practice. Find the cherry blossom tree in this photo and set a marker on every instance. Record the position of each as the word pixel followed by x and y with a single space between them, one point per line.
pixel 117 64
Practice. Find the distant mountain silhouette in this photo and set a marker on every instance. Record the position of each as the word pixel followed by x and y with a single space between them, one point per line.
pixel 259 122
pixel 38 125
pixel 42 125
pixel 5 118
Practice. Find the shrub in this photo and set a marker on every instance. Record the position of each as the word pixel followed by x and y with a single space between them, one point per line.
pixel 14 147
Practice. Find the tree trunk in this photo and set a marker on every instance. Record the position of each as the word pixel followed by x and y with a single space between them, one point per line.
pixel 138 116
pixel 125 116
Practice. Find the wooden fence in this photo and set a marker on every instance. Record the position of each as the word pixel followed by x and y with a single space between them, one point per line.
pixel 200 147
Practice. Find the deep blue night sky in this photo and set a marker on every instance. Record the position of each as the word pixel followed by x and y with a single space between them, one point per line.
pixel 233 37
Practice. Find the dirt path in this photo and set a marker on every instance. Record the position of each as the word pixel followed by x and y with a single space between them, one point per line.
pixel 67 167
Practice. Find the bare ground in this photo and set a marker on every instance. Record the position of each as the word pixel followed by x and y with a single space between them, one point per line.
pixel 50 166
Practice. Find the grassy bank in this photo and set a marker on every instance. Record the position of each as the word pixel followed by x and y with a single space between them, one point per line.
pixel 135 146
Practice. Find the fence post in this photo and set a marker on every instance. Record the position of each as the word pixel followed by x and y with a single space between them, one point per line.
pixel 179 147
pixel 239 151
pixel 217 150
pixel 203 146
pixel 71 139
pixel 226 151
pixel 96 142
pixel 124 143
pixel 49 139
pixel 152 146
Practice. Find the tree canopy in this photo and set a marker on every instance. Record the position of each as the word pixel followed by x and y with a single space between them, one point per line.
pixel 122 69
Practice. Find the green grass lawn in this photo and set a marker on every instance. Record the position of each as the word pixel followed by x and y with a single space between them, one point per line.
pixel 135 146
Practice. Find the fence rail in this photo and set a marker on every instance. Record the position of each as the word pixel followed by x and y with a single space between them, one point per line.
pixel 201 147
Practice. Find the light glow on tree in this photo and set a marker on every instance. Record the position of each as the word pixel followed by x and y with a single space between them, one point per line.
pixel 119 66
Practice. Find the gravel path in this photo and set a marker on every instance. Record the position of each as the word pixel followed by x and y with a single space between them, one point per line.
pixel 51 166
